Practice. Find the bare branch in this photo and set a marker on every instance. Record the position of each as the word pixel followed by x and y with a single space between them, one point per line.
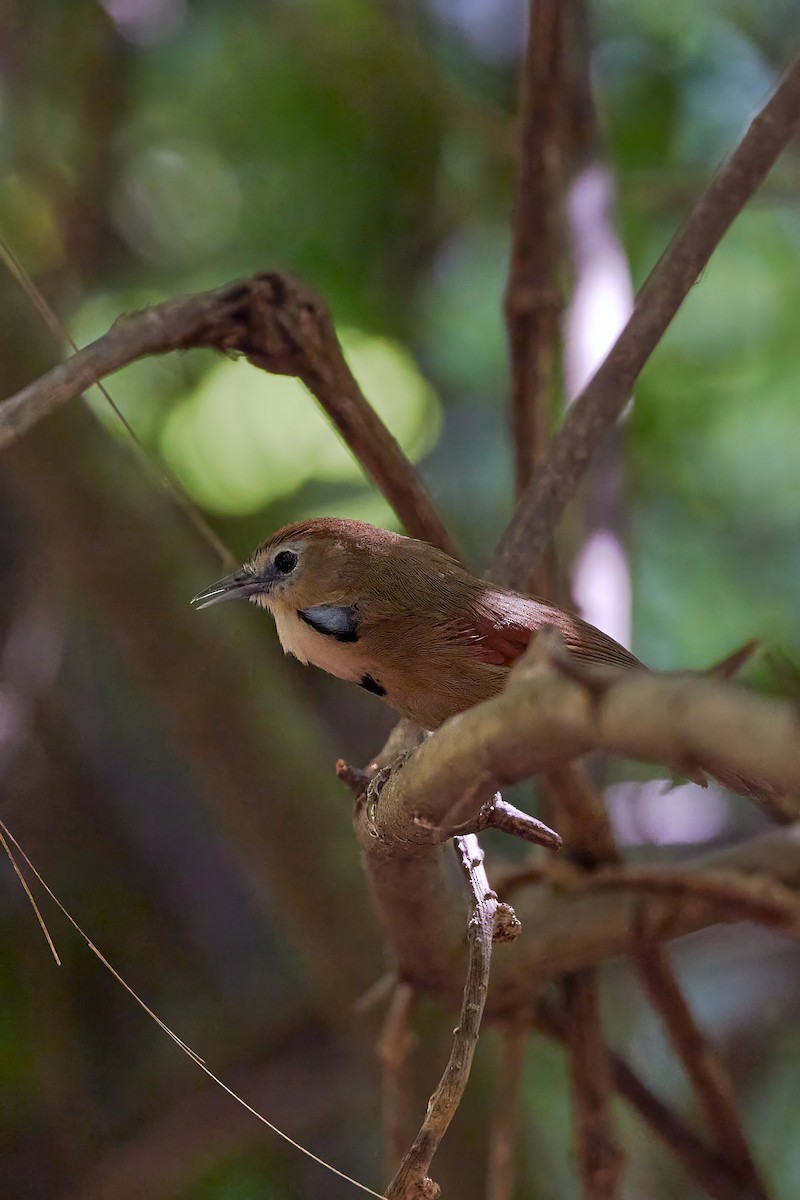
pixel 499 814
pixel 600 1157
pixel 604 397
pixel 710 1169
pixel 395 1046
pixel 581 816
pixel 544 718
pixel 411 1181
pixel 744 897
pixel 703 1065
pixel 533 299
pixel 280 326
pixel 705 1069
pixel 504 1130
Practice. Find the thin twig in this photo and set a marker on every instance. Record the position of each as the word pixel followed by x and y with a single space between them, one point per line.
pixel 600 1156
pixel 395 1044
pixel 411 1181
pixel 504 1130
pixel 279 325
pixel 604 397
pixel 703 1065
pixel 533 298
pixel 499 814
pixel 738 896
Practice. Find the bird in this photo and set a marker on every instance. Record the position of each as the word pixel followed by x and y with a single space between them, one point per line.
pixel 398 616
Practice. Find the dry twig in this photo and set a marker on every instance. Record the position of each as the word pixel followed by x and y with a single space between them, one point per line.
pixel 499 814
pixel 411 1181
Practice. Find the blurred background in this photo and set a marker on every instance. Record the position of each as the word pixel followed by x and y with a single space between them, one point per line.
pixel 170 773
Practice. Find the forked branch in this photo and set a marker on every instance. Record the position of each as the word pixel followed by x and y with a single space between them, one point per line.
pixel 604 397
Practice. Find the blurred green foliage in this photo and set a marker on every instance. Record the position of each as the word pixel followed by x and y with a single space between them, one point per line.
pixel 150 149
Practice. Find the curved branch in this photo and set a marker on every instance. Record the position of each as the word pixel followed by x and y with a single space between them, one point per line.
pixel 279 325
pixel 542 718
pixel 551 713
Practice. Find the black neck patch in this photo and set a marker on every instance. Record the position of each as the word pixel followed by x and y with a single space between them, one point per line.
pixel 336 621
pixel 371 685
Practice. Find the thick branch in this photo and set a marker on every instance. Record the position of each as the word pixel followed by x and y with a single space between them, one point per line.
pixel 279 325
pixel 604 397
pixel 544 718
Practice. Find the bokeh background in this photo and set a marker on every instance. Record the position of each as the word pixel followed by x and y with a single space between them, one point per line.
pixel 156 147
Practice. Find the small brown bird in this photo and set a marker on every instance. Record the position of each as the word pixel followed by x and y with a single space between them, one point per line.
pixel 398 617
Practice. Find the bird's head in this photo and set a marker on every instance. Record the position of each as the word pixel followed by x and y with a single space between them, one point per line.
pixel 322 561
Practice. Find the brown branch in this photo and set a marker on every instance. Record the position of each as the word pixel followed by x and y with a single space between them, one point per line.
pixel 411 1181
pixel 604 397
pixel 533 299
pixel 499 814
pixel 541 720
pixel 708 1167
pixel 600 1157
pixel 279 325
pixel 581 815
pixel 546 717
pixel 504 1130
pixel 703 1065
pixel 394 1049
pixel 743 897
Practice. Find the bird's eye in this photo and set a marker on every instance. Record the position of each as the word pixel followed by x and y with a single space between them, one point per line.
pixel 285 561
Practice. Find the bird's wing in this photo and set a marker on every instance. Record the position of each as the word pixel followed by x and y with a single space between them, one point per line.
pixel 502 624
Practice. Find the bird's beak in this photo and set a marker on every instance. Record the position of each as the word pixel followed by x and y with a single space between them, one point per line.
pixel 238 586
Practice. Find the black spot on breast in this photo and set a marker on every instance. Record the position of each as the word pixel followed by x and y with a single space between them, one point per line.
pixel 371 685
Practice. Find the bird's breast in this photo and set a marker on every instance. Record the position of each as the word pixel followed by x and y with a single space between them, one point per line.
pixel 299 638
